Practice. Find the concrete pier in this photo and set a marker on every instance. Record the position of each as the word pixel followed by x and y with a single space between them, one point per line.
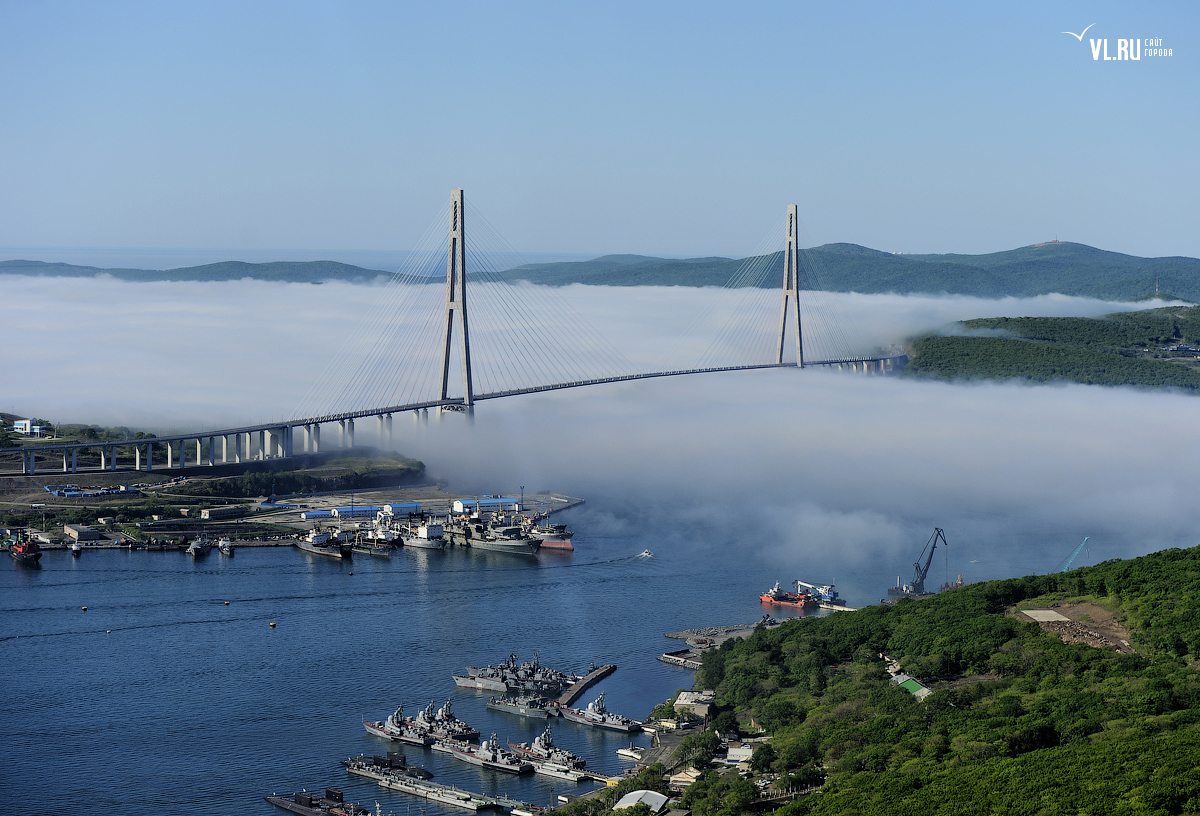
pixel 569 696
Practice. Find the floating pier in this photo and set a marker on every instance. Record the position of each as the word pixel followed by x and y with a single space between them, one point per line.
pixel 570 695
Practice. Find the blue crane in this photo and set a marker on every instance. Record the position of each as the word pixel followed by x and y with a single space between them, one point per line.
pixel 1078 550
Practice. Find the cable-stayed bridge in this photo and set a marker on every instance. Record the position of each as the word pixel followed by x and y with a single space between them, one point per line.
pixel 446 341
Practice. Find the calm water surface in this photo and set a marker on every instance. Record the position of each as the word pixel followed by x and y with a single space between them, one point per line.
pixel 163 699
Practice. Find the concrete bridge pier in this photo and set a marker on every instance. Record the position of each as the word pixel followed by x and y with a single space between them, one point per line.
pixel 350 433
pixel 316 437
pixel 170 455
pixel 64 460
pixel 137 457
pixel 212 451
pixel 388 425
pixel 199 452
pixel 149 456
pixel 103 458
pixel 28 465
pixel 341 433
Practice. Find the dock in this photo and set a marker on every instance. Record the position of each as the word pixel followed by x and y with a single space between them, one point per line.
pixel 684 658
pixel 570 695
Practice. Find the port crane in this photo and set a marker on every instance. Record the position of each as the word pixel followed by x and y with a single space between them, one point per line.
pixel 1066 566
pixel 917 587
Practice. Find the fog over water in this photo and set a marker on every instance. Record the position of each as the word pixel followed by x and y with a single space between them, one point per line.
pixel 782 468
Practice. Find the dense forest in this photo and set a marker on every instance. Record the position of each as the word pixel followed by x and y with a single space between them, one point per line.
pixel 1019 722
pixel 1127 348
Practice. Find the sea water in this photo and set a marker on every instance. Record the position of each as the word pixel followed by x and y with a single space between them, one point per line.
pixel 173 693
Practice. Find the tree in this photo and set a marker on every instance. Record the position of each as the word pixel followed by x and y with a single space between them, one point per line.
pixel 763 758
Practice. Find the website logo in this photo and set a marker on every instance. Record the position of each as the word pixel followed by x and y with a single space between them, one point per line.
pixel 1131 49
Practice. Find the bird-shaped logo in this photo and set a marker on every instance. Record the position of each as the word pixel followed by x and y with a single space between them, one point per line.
pixel 1078 36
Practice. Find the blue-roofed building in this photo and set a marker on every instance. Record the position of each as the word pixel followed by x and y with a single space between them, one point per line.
pixel 355 512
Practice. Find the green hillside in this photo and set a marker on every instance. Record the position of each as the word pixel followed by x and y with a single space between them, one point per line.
pixel 1019 721
pixel 1072 269
pixel 1151 348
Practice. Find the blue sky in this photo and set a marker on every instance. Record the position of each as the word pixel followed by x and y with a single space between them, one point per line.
pixel 657 128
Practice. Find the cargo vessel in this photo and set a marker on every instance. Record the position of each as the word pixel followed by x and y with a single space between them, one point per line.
pixel 522 706
pixel 597 716
pixel 543 749
pixel 489 754
pixel 777 596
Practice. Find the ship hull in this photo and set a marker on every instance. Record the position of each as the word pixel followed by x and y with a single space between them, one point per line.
pixel 520 710
pixel 479 683
pixel 517 547
pixel 557 544
pixel 380 730
pixel 423 543
pixel 316 549
pixel 575 716
pixel 504 767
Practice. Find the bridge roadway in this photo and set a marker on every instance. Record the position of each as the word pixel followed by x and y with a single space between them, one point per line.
pixel 275 440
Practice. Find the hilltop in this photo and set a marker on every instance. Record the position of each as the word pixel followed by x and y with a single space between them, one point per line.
pixel 1068 268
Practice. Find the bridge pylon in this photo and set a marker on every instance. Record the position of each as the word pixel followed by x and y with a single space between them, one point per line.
pixel 791 290
pixel 456 301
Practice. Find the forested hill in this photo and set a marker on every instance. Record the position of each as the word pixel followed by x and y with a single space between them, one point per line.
pixel 1072 269
pixel 1020 721
pixel 280 271
pixel 1151 348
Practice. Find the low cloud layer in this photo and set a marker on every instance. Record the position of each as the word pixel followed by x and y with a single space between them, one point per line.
pixel 786 469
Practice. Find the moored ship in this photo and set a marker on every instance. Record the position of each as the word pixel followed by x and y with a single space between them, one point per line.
pixel 441 723
pixel 323 542
pixel 598 716
pixel 777 596
pixel 484 534
pixel 199 548
pixel 543 749
pixel 825 594
pixel 308 804
pixel 528 679
pixel 521 706
pixel 26 551
pixel 424 537
pixel 398 727
pixel 489 754
pixel 392 766
pixel 551 536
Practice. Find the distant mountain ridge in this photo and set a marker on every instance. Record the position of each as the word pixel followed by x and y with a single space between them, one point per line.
pixel 1037 269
